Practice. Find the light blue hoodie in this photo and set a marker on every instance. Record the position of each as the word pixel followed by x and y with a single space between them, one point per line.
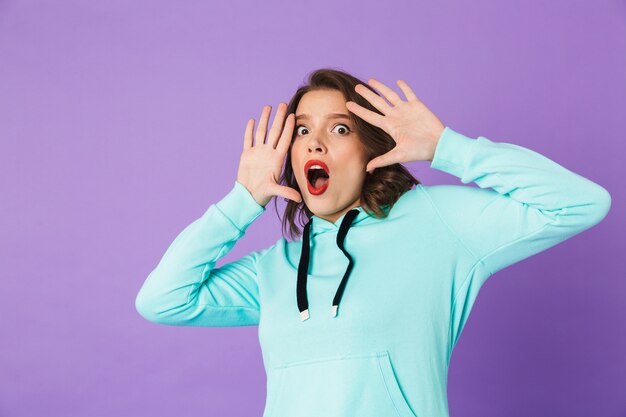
pixel 414 276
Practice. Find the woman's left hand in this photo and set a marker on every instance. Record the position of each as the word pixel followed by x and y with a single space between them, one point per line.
pixel 414 128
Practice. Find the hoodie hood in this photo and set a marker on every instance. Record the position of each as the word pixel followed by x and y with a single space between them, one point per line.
pixel 316 225
pixel 320 225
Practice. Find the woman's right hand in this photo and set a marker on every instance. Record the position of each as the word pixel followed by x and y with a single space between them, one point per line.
pixel 261 164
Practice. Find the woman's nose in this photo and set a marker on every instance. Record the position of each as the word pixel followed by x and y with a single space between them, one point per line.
pixel 313 148
pixel 315 144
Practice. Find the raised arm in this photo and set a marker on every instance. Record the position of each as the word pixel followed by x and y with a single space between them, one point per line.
pixel 526 202
pixel 186 289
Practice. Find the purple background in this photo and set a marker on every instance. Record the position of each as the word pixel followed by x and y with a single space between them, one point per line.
pixel 121 122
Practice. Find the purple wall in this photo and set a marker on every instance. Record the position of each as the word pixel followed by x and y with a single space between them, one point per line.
pixel 121 122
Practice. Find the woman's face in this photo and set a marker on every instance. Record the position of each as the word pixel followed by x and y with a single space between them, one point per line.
pixel 324 132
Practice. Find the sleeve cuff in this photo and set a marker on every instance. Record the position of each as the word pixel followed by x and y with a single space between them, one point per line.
pixel 240 207
pixel 452 152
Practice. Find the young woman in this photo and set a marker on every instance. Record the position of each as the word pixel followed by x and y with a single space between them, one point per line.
pixel 378 344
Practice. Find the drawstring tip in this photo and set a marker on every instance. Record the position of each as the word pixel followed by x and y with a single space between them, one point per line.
pixel 304 314
pixel 334 311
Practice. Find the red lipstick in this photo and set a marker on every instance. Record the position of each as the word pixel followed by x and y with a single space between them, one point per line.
pixel 312 189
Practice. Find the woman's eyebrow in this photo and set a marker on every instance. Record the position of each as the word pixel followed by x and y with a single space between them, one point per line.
pixel 330 116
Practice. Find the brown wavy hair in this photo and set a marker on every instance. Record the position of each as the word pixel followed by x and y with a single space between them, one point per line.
pixel 382 188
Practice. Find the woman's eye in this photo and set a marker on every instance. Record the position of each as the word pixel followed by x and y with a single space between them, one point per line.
pixel 342 129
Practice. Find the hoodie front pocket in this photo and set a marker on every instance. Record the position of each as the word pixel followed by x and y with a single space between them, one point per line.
pixel 339 386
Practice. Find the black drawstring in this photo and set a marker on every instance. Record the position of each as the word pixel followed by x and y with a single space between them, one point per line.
pixel 303 303
pixel 303 267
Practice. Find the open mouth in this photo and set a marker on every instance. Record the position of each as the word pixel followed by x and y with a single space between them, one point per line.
pixel 317 178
